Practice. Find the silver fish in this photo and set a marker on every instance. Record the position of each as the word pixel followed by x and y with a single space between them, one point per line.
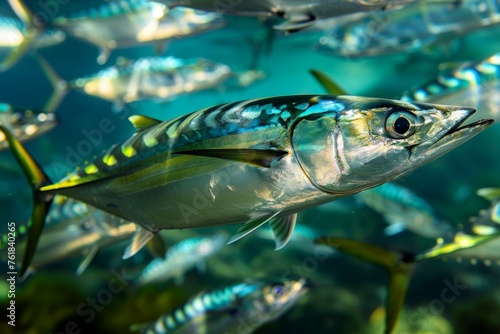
pixel 257 161
pixel 410 28
pixel 299 14
pixel 405 210
pixel 76 229
pixel 155 78
pixel 182 257
pixel 237 309
pixel 25 124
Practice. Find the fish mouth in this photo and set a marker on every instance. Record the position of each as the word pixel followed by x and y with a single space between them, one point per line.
pixel 456 135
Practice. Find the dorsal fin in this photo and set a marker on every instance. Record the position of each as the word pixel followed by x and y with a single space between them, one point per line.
pixel 141 123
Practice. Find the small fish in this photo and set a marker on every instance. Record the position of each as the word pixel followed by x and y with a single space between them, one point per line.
pixel 16 39
pixel 412 28
pixel 472 83
pixel 25 124
pixel 403 209
pixel 299 14
pixel 154 78
pixel 75 229
pixel 182 257
pixel 237 309
pixel 259 161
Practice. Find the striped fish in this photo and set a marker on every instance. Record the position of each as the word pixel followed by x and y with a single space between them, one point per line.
pixel 182 257
pixel 472 83
pixel 237 309
pixel 255 161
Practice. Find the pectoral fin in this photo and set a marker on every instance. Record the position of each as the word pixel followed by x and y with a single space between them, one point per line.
pixel 257 157
pixel 139 240
pixel 283 229
pixel 251 226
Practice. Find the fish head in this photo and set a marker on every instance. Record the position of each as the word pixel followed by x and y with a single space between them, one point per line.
pixel 278 297
pixel 25 124
pixel 358 143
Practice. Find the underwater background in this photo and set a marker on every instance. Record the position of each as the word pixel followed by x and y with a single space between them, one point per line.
pixel 348 296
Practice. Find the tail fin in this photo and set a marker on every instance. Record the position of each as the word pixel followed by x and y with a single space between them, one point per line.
pixel 41 202
pixel 33 30
pixel 59 85
pixel 397 264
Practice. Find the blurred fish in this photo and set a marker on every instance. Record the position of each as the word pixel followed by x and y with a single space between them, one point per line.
pixel 409 29
pixel 16 39
pixel 257 161
pixel 74 229
pixel 472 83
pixel 299 14
pixel 111 25
pixel 403 209
pixel 25 124
pixel 237 309
pixel 154 78
pixel 182 257
pixel 487 222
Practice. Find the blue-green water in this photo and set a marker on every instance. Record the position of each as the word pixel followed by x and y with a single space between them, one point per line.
pixel 348 291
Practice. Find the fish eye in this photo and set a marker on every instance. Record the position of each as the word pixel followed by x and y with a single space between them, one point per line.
pixel 401 124
pixel 278 290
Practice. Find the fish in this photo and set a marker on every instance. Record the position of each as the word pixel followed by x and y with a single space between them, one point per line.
pixel 417 26
pixel 74 229
pixel 475 83
pixel 130 23
pixel 150 78
pixel 298 14
pixel 160 78
pixel 403 209
pixel 16 40
pixel 25 124
pixel 181 257
pixel 399 264
pixel 486 222
pixel 236 309
pixel 256 161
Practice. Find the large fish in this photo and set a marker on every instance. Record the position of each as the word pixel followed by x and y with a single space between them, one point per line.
pixel 25 124
pixel 237 309
pixel 257 161
pixel 299 14
pixel 415 27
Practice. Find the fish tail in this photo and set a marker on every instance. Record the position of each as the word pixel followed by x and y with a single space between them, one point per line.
pixel 34 28
pixel 60 86
pixel 41 201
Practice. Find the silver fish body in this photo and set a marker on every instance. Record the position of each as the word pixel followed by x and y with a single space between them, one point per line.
pixel 299 13
pixel 25 124
pixel 182 257
pixel 76 229
pixel 237 309
pixel 268 157
pixel 156 78
pixel 409 29
pixel 401 206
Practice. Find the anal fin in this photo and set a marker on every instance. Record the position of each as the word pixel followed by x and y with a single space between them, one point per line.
pixel 139 240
